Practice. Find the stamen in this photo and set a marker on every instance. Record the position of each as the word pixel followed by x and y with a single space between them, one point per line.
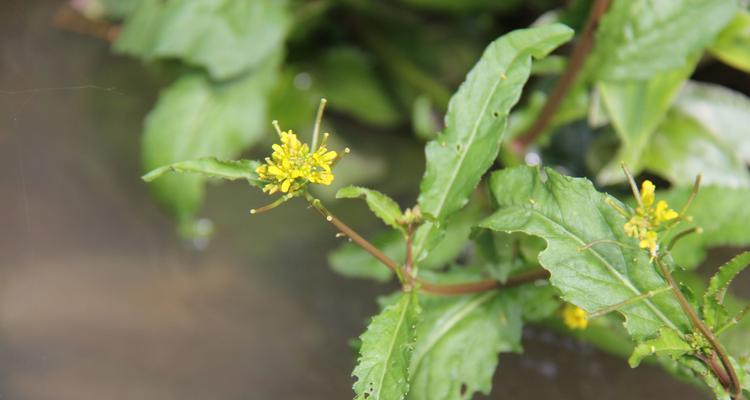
pixel 275 124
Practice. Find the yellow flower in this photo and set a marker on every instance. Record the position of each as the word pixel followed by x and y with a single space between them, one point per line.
pixel 643 225
pixel 292 165
pixel 647 193
pixel 574 317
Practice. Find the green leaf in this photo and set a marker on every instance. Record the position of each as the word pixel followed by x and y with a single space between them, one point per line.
pixel 722 112
pixel 459 341
pixel 211 167
pixel 195 118
pixel 569 214
pixel 682 148
pixel 380 204
pixel 668 343
pixel 226 37
pixel 351 261
pixel 348 79
pixel 455 238
pixel 387 345
pixel 498 253
pixel 732 46
pixel 721 212
pixel 638 38
pixel 636 108
pixel 475 123
pixel 714 312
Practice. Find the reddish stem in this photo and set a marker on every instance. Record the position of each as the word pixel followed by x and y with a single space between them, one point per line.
pixel 563 85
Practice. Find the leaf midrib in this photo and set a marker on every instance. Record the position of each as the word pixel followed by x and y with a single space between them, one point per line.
pixel 459 164
pixel 610 268
pixel 392 345
pixel 462 311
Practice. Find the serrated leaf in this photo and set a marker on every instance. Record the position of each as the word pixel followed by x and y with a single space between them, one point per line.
pixel 459 341
pixel 668 343
pixel 380 204
pixel 682 148
pixel 195 118
pixel 714 311
pixel 639 38
pixel 352 261
pixel 721 212
pixel 387 346
pixel 569 214
pixel 732 46
pixel 722 112
pixel 226 37
pixel 211 167
pixel 475 123
pixel 635 109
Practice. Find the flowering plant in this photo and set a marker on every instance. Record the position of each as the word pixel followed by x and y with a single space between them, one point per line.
pixel 486 250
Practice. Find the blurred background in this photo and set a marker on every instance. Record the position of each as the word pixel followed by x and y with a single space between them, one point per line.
pixel 103 297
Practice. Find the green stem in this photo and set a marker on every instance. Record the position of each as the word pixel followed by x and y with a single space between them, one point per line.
pixel 433 288
pixel 698 325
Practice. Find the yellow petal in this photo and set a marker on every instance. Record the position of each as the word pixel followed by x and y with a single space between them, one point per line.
pixel 285 185
pixel 647 193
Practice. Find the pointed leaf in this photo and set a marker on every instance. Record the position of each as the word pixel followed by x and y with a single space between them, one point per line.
pixel 569 214
pixel 211 167
pixel 387 345
pixel 475 123
pixel 380 204
pixel 668 343
pixel 459 341
pixel 713 300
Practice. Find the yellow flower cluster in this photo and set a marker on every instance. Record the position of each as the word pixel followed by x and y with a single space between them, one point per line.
pixel 292 165
pixel 647 219
pixel 574 317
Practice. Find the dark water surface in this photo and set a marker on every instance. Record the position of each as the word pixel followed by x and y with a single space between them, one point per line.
pixel 100 300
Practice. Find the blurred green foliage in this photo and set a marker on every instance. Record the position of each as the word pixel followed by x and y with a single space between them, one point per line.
pixel 392 66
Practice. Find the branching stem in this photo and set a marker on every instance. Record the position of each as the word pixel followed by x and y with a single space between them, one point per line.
pixel 734 386
pixel 427 287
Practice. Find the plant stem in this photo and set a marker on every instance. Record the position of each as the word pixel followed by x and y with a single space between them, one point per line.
pixel 427 287
pixel 698 324
pixel 484 285
pixel 563 85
